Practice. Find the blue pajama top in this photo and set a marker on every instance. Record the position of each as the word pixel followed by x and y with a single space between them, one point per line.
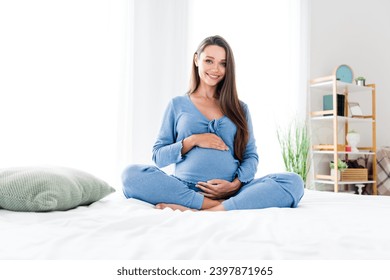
pixel 182 119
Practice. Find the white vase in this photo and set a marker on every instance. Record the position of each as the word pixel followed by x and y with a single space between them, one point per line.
pixel 338 174
pixel 353 139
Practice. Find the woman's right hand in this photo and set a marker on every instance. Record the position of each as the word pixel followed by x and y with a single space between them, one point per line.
pixel 204 140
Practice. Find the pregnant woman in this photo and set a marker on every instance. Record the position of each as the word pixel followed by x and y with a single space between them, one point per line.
pixel 207 133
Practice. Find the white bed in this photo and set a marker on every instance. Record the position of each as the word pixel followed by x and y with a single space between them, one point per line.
pixel 324 226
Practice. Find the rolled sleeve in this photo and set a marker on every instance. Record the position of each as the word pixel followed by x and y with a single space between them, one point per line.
pixel 165 155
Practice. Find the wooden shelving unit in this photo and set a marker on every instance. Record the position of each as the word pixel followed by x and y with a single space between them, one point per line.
pixel 338 126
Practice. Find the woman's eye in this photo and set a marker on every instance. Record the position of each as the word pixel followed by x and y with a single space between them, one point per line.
pixel 223 64
pixel 209 61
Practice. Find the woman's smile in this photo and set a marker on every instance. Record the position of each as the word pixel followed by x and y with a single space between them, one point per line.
pixel 213 76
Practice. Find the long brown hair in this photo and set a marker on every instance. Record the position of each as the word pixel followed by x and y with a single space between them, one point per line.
pixel 226 93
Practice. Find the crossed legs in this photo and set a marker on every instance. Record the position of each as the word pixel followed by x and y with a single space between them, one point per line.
pixel 150 184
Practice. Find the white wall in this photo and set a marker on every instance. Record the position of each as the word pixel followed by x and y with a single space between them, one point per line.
pixel 357 33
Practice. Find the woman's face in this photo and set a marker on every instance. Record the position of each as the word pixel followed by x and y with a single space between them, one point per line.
pixel 211 65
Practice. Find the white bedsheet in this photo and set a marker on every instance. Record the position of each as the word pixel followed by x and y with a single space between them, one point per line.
pixel 324 226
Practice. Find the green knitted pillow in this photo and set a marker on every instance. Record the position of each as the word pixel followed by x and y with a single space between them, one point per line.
pixel 38 189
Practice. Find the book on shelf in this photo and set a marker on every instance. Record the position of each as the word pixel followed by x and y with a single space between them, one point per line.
pixel 327 102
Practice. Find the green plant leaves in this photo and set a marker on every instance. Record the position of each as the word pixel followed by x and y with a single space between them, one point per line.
pixel 295 146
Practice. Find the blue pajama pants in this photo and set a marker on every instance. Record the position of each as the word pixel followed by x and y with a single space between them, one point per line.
pixel 150 184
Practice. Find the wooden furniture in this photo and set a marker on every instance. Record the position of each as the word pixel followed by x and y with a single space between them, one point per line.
pixel 328 131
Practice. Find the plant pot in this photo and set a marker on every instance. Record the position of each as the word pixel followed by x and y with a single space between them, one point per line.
pixel 332 171
pixel 361 82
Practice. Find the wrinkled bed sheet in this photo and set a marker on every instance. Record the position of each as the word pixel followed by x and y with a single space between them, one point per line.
pixel 325 226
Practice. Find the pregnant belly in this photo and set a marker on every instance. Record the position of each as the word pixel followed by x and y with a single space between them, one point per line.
pixel 202 164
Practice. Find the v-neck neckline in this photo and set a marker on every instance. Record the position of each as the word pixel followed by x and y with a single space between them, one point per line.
pixel 200 113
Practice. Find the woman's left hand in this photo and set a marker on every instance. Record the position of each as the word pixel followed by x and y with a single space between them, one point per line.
pixel 219 189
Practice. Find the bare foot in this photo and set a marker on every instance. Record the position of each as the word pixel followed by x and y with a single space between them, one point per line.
pixel 173 207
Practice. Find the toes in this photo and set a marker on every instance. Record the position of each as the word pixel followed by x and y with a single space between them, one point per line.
pixel 160 206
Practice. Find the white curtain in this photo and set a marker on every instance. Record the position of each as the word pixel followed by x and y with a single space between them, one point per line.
pixel 61 75
pixel 269 41
pixel 84 83
pixel 158 71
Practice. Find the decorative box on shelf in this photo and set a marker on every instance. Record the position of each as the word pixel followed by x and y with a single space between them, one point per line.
pixel 328 147
pixel 354 174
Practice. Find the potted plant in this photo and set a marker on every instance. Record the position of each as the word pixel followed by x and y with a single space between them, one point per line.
pixel 295 145
pixel 341 166
pixel 360 81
